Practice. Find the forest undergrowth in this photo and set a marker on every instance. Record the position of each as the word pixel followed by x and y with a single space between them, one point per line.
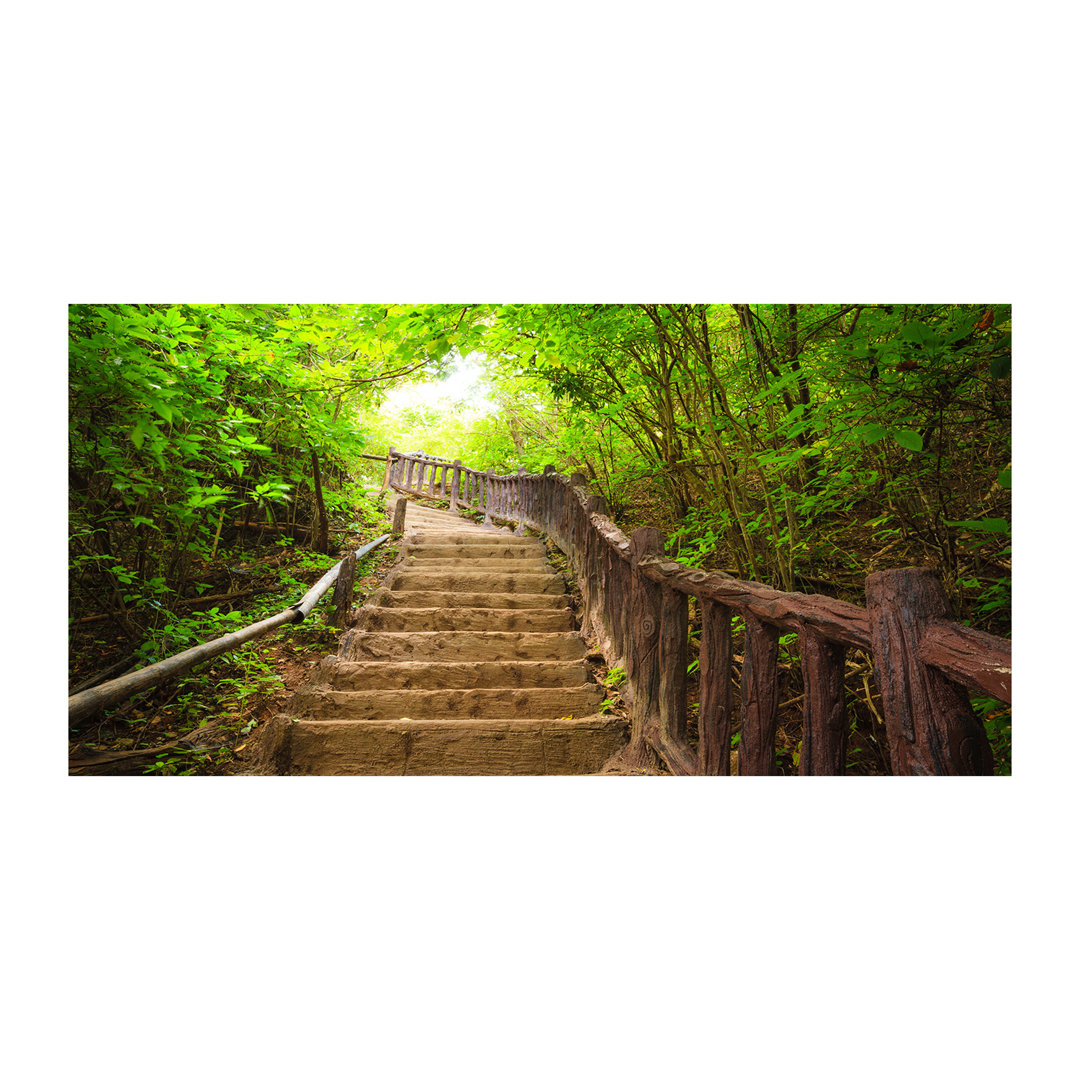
pixel 198 723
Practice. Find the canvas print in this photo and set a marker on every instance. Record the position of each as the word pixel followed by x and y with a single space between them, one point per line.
pixel 660 539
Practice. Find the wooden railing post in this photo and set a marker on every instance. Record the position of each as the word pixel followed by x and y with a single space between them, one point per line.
pixel 455 485
pixel 520 510
pixel 343 592
pixel 590 581
pixel 929 721
pixel 760 698
pixel 714 674
pixel 489 496
pixel 389 467
pixel 643 663
pixel 669 736
pixel 824 741
pixel 398 526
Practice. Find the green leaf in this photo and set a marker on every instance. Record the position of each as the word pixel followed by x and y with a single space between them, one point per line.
pixel 872 433
pixel 910 440
pixel 136 435
pixel 918 334
pixel 1005 478
pixel 991 525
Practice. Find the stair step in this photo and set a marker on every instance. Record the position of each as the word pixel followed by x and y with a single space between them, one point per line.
pixel 406 620
pixel 476 581
pixel 496 563
pixel 415 598
pixel 494 747
pixel 336 674
pixel 517 552
pixel 320 704
pixel 471 538
pixel 461 646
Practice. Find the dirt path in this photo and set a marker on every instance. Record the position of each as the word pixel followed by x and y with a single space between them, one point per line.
pixel 465 661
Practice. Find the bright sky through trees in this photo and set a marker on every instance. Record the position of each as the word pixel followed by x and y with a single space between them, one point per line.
pixel 463 389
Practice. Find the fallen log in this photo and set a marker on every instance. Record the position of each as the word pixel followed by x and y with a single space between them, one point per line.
pixel 218 598
pixel 273 526
pixel 108 757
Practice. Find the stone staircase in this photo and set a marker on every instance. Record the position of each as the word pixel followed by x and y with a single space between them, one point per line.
pixel 465 661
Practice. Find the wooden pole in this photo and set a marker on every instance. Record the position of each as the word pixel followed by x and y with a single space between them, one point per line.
pixel 714 673
pixel 89 702
pixel 343 592
pixel 398 526
pixel 824 742
pixel 455 486
pixel 669 736
pixel 929 721
pixel 389 465
pixel 760 699
pixel 520 530
pixel 643 667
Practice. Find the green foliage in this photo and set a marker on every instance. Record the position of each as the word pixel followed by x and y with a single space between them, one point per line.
pixel 183 418
pixel 997 719
pixel 764 424
pixel 614 678
pixel 174 762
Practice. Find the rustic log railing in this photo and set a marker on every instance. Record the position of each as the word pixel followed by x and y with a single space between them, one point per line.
pixel 635 602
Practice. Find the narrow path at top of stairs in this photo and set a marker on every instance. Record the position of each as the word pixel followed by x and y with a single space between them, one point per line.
pixel 465 661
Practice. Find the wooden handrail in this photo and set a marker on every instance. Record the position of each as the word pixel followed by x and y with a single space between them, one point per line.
pixel 635 602
pixel 109 693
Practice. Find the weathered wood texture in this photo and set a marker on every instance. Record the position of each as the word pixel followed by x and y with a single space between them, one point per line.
pixel 455 486
pixel 343 591
pixel 644 657
pixel 669 736
pixel 824 742
pixel 714 711
pixel 931 727
pixel 979 661
pixel 398 526
pixel 629 594
pixel 760 699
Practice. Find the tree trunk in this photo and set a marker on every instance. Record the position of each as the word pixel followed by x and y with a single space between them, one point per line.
pixel 321 537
